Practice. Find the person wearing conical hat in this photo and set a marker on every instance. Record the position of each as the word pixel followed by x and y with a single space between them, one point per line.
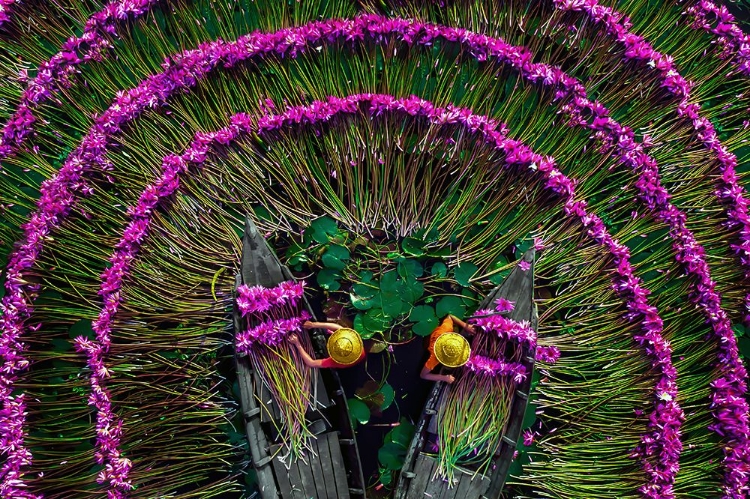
pixel 446 348
pixel 345 347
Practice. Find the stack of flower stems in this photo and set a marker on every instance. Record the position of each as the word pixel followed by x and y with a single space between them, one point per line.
pixel 474 413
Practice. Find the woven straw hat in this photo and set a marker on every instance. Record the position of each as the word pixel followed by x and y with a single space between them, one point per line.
pixel 345 346
pixel 452 350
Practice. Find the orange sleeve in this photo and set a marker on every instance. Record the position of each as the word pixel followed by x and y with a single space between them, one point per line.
pixel 445 327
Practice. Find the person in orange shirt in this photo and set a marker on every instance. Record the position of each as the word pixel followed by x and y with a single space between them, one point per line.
pixel 345 347
pixel 446 348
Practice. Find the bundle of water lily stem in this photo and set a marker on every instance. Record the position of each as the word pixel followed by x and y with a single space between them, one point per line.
pixel 270 315
pixel 478 403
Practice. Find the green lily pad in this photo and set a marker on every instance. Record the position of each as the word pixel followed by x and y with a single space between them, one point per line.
pixel 422 313
pixel 295 254
pixel 412 291
pixel 413 246
pixel 386 477
pixel 439 269
pixel 388 395
pixel 450 305
pixel 464 272
pixel 390 281
pixel 402 434
pixel 328 279
pixel 375 320
pixel 469 298
pixel 391 456
pixel 410 268
pixel 359 326
pixel 335 257
pixel 391 304
pixel 425 327
pixel 322 229
pixel 358 411
pixel 365 290
pixel 361 303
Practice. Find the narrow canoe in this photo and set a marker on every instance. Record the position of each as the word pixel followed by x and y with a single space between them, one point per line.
pixel 415 480
pixel 333 470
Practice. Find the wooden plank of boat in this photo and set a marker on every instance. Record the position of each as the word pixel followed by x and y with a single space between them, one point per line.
pixel 423 470
pixel 336 465
pixel 317 470
pixel 518 287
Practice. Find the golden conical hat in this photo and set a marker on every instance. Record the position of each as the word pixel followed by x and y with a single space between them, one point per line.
pixel 345 346
pixel 452 350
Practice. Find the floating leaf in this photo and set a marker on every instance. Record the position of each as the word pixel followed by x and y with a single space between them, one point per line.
pixel 335 257
pixel 402 434
pixel 328 279
pixel 358 411
pixel 365 290
pixel 464 272
pixel 412 291
pixel 388 395
pixel 391 456
pixel 450 305
pixel 390 281
pixel 375 320
pixel 391 304
pixel 439 269
pixel 425 327
pixel 386 477
pixel 361 303
pixel 413 246
pixel 295 254
pixel 422 313
pixel 322 229
pixel 409 268
pixel 359 326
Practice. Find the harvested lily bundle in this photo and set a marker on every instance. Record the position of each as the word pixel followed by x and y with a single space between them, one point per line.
pixel 477 406
pixel 271 314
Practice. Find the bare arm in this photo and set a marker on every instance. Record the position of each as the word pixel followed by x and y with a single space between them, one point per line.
pixel 463 325
pixel 426 374
pixel 309 361
pixel 328 326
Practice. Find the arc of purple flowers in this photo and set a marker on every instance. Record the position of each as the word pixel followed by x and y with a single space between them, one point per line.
pixel 734 43
pixel 187 68
pixel 733 382
pixel 55 73
pixel 662 440
pixel 6 6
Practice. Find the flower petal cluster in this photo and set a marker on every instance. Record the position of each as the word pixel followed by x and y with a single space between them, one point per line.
pixel 257 299
pixel 57 73
pixel 547 354
pixel 717 20
pixel 729 401
pixel 504 328
pixel 271 332
pixel 486 366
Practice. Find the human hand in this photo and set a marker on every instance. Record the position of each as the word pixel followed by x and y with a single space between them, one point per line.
pixel 449 378
pixel 293 339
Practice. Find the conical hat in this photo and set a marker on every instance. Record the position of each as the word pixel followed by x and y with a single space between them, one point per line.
pixel 452 350
pixel 345 346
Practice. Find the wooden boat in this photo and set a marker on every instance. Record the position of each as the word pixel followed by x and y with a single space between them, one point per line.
pixel 333 470
pixel 416 479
